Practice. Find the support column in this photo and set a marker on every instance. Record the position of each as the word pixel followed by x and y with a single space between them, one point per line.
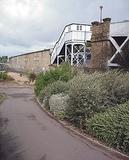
pixel 57 60
pixel 100 45
pixel 72 54
pixel 66 54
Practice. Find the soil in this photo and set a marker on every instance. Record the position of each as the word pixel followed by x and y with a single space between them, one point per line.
pixel 19 78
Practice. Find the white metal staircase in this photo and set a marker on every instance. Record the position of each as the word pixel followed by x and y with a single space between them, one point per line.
pixel 73 34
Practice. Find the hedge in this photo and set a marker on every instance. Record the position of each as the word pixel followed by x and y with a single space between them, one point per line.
pixel 1 98
pixel 51 89
pixel 90 94
pixel 57 104
pixel 112 127
pixel 3 75
pixel 62 73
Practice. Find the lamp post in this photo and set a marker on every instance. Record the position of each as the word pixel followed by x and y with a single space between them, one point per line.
pixel 101 8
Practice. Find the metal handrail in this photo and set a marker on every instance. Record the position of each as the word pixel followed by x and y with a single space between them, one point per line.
pixel 65 28
pixel 61 40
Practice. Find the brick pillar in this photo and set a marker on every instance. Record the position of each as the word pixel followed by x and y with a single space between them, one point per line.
pixel 100 45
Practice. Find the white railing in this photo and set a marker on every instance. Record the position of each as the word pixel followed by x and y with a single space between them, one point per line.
pixel 57 48
pixel 71 34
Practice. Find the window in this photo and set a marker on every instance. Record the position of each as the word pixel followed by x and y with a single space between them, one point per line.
pixel 80 28
pixel 77 27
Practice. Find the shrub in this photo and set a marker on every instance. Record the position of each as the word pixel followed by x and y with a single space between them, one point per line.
pixel 83 98
pixel 62 73
pixel 115 85
pixel 112 127
pixel 3 75
pixel 93 93
pixel 121 88
pixel 57 104
pixel 54 88
pixel 32 77
pixel 2 97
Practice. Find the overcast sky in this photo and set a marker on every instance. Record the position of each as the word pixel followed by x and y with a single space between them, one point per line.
pixel 29 25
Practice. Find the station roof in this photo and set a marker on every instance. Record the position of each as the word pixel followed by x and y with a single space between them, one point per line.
pixel 119 28
pixel 30 53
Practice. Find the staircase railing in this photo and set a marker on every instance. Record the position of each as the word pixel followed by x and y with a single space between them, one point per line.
pixel 68 35
pixel 58 46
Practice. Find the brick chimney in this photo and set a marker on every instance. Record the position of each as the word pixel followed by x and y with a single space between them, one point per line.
pixel 100 44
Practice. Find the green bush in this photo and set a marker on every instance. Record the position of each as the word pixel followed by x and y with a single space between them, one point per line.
pixel 2 97
pixel 83 98
pixel 57 104
pixel 32 77
pixel 112 127
pixel 89 94
pixel 3 75
pixel 62 73
pixel 54 88
pixel 121 88
pixel 115 85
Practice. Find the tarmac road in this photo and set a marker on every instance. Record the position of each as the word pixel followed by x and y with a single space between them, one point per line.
pixel 37 135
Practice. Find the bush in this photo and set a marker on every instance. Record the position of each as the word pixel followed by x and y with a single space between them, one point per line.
pixel 62 73
pixel 32 77
pixel 121 88
pixel 57 104
pixel 89 94
pixel 83 99
pixel 2 97
pixel 115 85
pixel 3 75
pixel 54 88
pixel 112 127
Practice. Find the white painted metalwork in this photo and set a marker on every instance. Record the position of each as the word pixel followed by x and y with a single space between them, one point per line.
pixel 72 35
pixel 118 48
pixel 119 29
pixel 72 47
pixel 60 59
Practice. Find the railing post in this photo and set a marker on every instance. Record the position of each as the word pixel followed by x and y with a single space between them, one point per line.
pixel 66 54
pixel 72 54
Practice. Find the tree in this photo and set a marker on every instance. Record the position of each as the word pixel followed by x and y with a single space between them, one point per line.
pixel 3 59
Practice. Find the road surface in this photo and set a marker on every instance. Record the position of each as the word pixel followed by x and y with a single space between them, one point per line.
pixel 37 135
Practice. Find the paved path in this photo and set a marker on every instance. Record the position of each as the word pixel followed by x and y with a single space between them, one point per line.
pixel 39 137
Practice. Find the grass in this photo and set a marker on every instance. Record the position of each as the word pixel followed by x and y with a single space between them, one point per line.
pixel 2 97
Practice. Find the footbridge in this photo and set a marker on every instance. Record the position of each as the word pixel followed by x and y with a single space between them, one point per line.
pixel 73 45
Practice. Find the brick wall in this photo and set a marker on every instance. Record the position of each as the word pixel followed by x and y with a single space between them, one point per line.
pixel 100 44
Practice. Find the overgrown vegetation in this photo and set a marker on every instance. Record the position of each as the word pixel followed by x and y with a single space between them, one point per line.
pixel 3 59
pixel 98 103
pixel 112 127
pixel 57 105
pixel 2 97
pixel 53 88
pixel 32 76
pixel 3 75
pixel 62 73
pixel 94 93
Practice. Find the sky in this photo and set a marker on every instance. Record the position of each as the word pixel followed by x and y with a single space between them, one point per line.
pixel 30 25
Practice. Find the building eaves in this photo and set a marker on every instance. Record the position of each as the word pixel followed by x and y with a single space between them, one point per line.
pixel 29 53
